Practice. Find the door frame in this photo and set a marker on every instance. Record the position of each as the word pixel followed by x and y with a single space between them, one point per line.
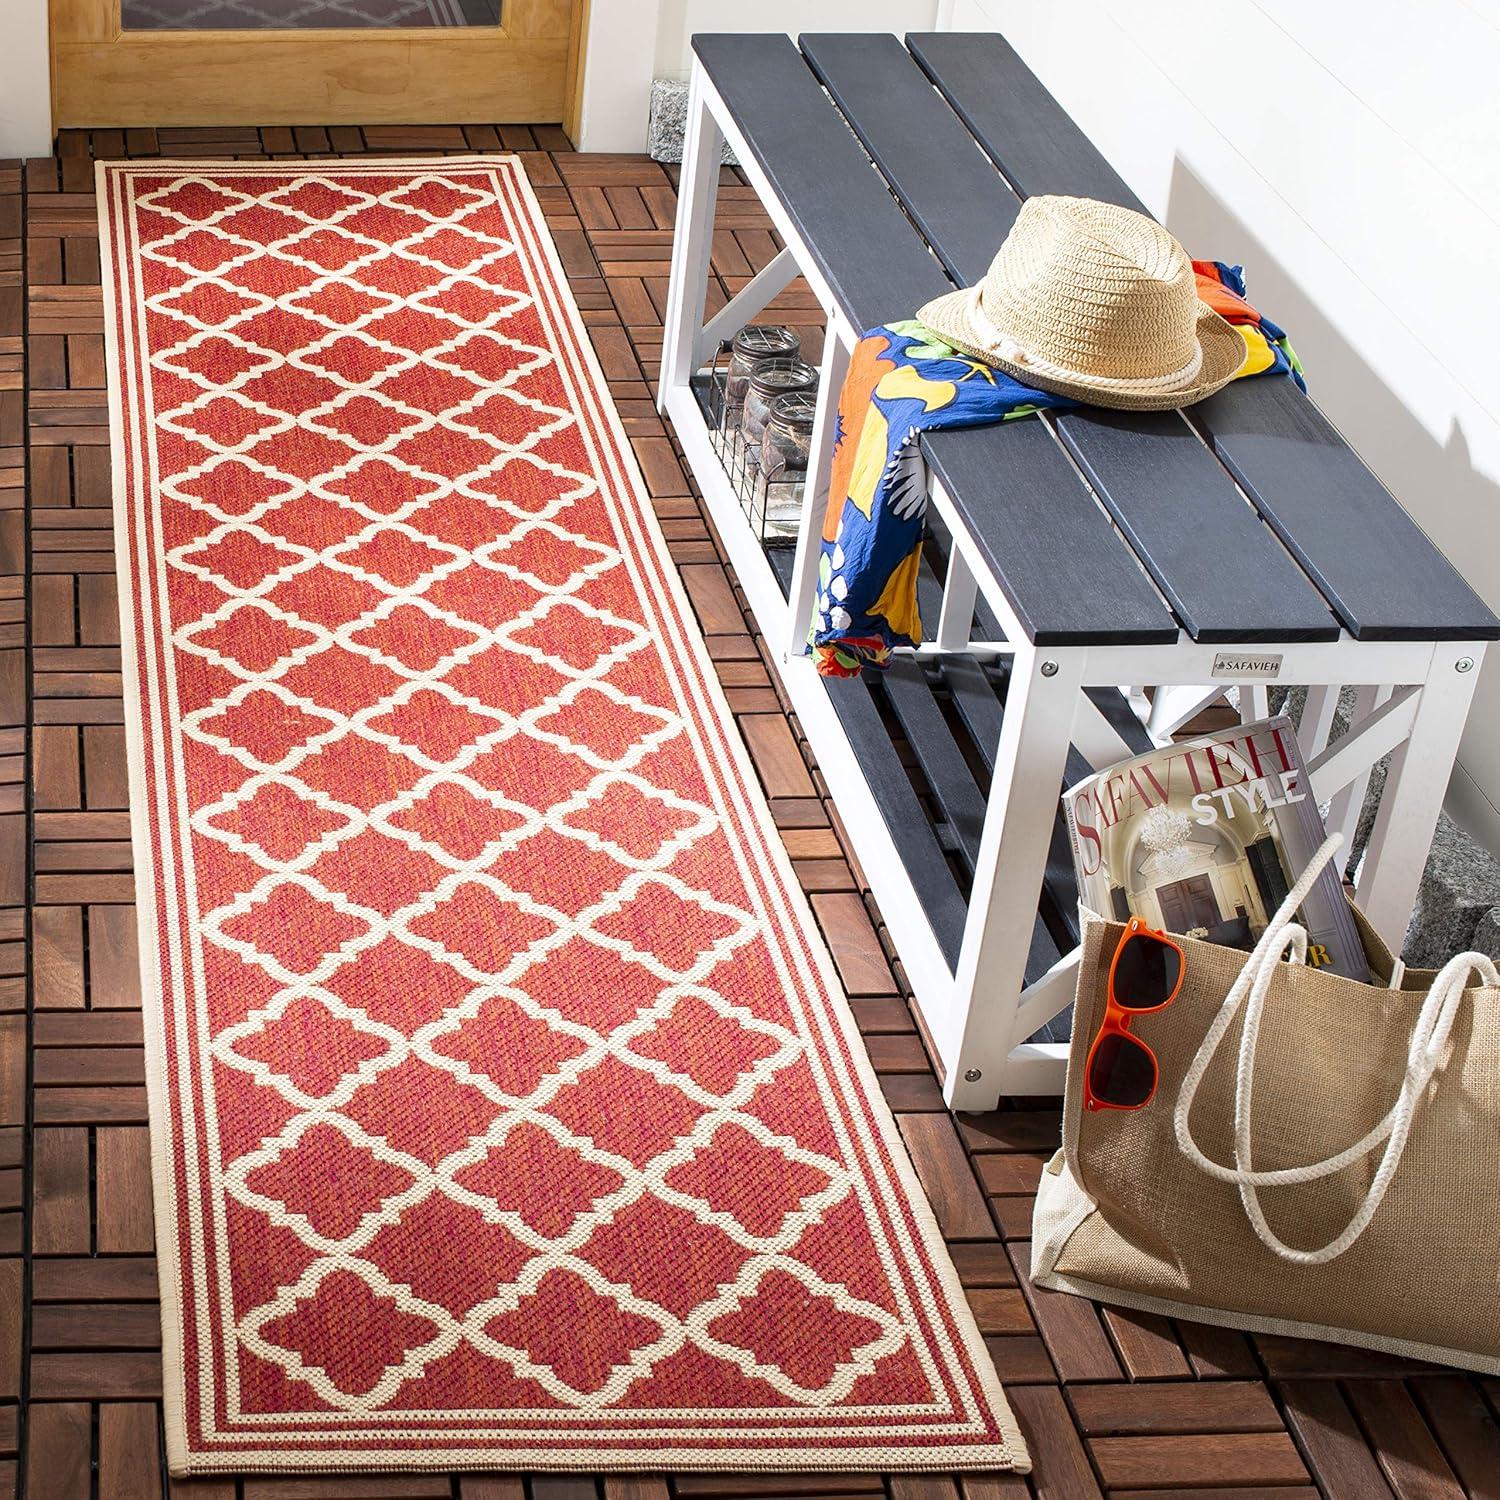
pixel 520 71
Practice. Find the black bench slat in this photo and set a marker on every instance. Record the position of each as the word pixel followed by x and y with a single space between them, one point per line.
pixel 927 156
pixel 929 592
pixel 1115 708
pixel 1377 569
pixel 865 249
pixel 1210 554
pixel 943 903
pixel 1034 521
pixel 980 708
pixel 953 785
pixel 1225 576
pixel 880 269
pixel 1024 130
pixel 935 555
pixel 959 796
pixel 977 702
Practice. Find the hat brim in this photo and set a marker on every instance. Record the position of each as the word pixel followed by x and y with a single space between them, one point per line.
pixel 1224 352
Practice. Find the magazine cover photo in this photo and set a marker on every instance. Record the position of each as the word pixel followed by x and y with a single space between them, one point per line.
pixel 1206 838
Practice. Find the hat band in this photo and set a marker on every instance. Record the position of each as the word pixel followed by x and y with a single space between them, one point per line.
pixel 1008 349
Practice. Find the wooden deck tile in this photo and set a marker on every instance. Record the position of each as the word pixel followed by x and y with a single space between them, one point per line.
pixel 856 949
pixel 122 1172
pixel 94 1279
pixel 1409 1453
pixel 1072 1328
pixel 1219 1492
pixel 1146 1344
pixel 1465 1425
pixel 947 1178
pixel 777 757
pixel 373 1487
pixel 129 1451
pixel 121 1376
pixel 56 1066
pixel 62 1215
pixel 1323 1424
pixel 70 1325
pixel 61 1451
pixel 1191 1406
pixel 1246 1459
pixel 1049 1428
pixel 1215 1351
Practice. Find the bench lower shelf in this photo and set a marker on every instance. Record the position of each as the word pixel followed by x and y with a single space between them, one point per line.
pixel 925 740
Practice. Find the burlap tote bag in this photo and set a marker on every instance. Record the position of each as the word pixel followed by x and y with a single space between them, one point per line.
pixel 1321 1157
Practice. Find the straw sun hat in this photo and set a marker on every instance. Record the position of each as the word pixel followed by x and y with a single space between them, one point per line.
pixel 1096 302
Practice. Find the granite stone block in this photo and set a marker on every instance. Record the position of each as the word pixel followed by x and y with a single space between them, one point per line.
pixel 668 125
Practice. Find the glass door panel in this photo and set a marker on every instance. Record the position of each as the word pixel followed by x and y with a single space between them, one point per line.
pixel 322 15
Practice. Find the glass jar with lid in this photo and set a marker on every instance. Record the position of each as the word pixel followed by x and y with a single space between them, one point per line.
pixel 786 445
pixel 753 343
pixel 772 378
pixel 785 456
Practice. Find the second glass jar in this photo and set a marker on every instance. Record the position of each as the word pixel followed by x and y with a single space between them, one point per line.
pixel 786 446
pixel 771 378
pixel 752 344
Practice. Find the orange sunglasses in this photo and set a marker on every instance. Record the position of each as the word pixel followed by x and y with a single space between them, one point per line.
pixel 1144 975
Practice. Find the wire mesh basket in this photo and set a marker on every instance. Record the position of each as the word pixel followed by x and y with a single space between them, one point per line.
pixel 771 495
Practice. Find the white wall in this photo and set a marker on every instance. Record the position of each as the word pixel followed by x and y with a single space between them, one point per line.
pixel 1348 153
pixel 25 79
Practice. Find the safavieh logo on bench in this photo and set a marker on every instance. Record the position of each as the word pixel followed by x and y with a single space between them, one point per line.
pixel 1241 664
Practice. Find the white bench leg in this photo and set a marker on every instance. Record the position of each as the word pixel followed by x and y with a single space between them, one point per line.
pixel 1034 738
pixel 1345 806
pixel 1254 702
pixel 1415 786
pixel 692 245
pixel 1351 757
pixel 1316 723
pixel 834 367
pixel 960 595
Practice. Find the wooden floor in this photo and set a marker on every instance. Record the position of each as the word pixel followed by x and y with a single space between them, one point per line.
pixel 1111 1402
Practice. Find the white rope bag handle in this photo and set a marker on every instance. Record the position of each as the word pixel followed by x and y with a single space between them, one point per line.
pixel 1424 1057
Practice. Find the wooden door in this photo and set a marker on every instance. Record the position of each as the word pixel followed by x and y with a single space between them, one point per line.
pixel 1190 903
pixel 312 62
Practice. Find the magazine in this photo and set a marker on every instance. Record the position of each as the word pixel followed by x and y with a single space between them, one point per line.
pixel 1206 837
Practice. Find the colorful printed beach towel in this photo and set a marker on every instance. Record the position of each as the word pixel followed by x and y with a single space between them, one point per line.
pixel 902 382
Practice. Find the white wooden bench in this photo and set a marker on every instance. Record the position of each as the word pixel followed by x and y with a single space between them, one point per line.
pixel 1075 559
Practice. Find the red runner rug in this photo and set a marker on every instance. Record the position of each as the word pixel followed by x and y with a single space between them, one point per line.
pixel 505 1110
